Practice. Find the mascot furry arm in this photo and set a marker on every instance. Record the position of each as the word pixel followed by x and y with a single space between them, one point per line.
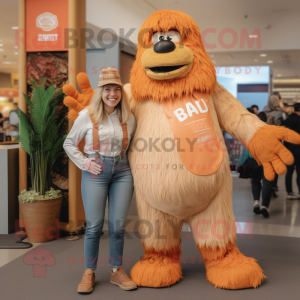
pixel 263 141
pixel 172 72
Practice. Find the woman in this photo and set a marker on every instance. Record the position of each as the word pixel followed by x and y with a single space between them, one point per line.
pixel 293 122
pixel 275 117
pixel 274 110
pixel 257 176
pixel 105 172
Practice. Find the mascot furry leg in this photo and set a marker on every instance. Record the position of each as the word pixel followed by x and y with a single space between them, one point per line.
pixel 226 267
pixel 161 239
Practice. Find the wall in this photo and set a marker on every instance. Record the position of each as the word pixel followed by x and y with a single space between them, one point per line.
pixel 96 59
pixel 126 62
pixel 15 80
pixel 5 80
pixel 116 15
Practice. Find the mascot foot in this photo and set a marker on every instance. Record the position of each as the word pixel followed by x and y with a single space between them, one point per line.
pixel 230 269
pixel 156 270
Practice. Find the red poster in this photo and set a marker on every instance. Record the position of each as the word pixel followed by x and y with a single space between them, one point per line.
pixel 46 22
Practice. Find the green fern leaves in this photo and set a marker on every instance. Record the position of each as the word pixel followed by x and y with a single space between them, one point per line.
pixel 39 133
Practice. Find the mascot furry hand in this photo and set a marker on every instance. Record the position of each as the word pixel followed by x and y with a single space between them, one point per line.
pixel 184 173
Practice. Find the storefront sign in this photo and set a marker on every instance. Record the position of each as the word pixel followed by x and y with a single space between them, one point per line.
pixel 46 22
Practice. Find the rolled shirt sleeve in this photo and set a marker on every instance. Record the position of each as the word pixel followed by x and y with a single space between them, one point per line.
pixel 74 137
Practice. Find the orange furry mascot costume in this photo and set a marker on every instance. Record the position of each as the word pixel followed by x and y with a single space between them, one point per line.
pixel 184 175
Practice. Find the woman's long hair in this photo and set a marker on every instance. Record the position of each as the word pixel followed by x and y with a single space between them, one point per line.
pixel 96 106
pixel 274 102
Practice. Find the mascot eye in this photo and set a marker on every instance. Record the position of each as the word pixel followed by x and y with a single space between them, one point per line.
pixel 174 36
pixel 171 35
pixel 157 37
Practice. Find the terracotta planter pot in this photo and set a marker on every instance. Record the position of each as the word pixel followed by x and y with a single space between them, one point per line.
pixel 41 219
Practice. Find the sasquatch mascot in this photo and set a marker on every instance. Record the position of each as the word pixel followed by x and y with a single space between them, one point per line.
pixel 179 158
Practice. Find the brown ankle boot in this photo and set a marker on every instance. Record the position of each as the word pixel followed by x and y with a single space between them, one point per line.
pixel 122 280
pixel 87 282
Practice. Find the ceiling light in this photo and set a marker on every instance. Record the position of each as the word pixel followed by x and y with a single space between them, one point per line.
pixel 1 45
pixel 17 47
pixel 270 61
pixel 16 53
pixel 14 28
pixel 1 49
pixel 279 75
pixel 255 59
pixel 263 55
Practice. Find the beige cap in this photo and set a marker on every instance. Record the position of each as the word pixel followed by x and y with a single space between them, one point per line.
pixel 109 75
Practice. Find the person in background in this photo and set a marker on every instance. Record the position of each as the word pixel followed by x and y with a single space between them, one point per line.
pixel 255 108
pixel 287 111
pixel 273 110
pixel 281 104
pixel 262 116
pixel 250 109
pixel 284 111
pixel 293 122
pixel 13 120
pixel 277 94
pixel 1 120
pixel 257 187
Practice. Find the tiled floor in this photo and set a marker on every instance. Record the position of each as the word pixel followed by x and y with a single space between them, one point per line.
pixel 284 216
pixel 283 212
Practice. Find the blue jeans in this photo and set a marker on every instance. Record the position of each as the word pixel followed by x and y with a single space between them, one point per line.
pixel 116 182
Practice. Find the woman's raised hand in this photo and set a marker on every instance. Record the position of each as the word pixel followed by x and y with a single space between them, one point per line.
pixel 91 166
pixel 75 100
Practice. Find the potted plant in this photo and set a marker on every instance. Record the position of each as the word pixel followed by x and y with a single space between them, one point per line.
pixel 39 136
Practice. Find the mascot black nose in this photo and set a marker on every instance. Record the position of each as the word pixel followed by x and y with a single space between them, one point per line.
pixel 164 47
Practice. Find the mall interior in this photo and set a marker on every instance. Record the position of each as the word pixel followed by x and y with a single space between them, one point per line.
pixel 222 222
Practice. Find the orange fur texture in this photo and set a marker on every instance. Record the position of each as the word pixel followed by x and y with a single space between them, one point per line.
pixel 157 268
pixel 81 100
pixel 228 268
pixel 202 76
pixel 269 152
